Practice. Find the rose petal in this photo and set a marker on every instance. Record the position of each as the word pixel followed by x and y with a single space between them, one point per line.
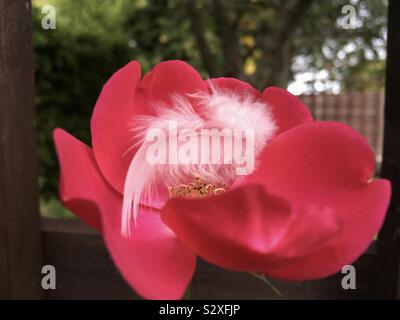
pixel 247 229
pixel 170 78
pixel 111 136
pixel 331 164
pixel 288 110
pixel 78 170
pixel 153 262
pixel 364 210
pixel 235 85
pixel 316 160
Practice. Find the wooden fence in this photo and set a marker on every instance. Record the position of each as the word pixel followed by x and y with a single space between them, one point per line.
pixel 361 110
pixel 84 269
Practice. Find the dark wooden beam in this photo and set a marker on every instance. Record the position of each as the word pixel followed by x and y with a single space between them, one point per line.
pixel 85 271
pixel 389 237
pixel 20 237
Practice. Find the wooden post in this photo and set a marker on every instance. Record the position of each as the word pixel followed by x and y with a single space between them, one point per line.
pixel 389 237
pixel 20 237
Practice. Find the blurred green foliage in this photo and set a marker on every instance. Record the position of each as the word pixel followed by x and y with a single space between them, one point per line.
pixel 70 71
pixel 238 38
pixel 72 63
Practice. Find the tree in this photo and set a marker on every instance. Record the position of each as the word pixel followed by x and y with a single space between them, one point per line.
pixel 260 40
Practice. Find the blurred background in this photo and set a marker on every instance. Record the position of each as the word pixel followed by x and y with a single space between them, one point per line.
pixel 331 53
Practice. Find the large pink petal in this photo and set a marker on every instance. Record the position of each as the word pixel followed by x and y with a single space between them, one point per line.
pixel 235 85
pixel 170 78
pixel 153 262
pixel 288 110
pixel 79 178
pixel 364 210
pixel 316 160
pixel 330 164
pixel 248 229
pixel 111 138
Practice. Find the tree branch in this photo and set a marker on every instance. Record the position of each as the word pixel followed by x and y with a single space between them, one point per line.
pixel 227 26
pixel 291 14
pixel 198 30
pixel 274 67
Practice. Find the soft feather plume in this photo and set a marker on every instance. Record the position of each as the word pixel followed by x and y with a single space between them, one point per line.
pixel 220 109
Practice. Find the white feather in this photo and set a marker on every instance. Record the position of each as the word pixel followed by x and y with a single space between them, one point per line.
pixel 220 109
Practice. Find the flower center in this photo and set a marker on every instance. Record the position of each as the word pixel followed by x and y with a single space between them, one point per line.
pixel 198 188
pixel 210 138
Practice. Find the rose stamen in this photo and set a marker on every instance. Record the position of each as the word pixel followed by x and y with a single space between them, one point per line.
pixel 198 188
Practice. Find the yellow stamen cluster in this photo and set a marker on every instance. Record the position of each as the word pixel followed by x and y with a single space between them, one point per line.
pixel 198 188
